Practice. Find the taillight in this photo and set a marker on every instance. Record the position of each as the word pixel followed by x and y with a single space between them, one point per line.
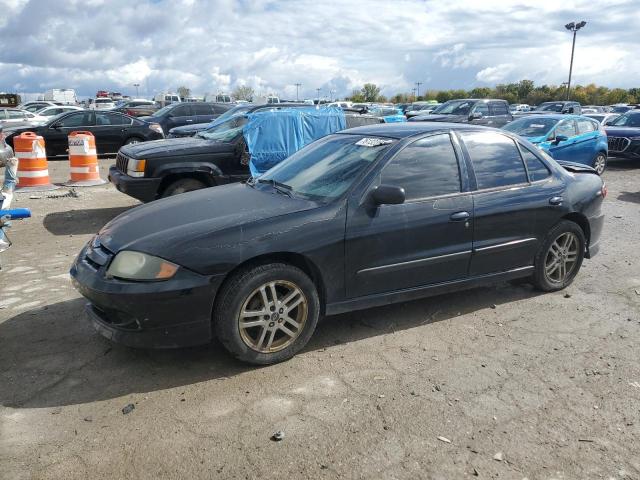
pixel 603 190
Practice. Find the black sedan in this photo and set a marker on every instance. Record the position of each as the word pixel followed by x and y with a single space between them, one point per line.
pixel 623 135
pixel 112 130
pixel 366 217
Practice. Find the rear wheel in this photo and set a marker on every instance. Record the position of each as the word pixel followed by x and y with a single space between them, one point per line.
pixel 600 163
pixel 266 314
pixel 183 185
pixel 132 140
pixel 559 259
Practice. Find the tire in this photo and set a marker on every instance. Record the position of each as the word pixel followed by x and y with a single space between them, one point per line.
pixel 600 163
pixel 183 185
pixel 132 140
pixel 555 252
pixel 272 336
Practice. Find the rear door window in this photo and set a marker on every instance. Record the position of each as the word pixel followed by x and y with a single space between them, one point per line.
pixel 425 168
pixel 498 108
pixel 537 170
pixel 495 158
pixel 202 109
pixel 80 119
pixel 585 126
pixel 181 111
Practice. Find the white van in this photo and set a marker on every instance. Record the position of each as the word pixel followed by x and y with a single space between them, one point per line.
pixel 65 96
pixel 165 99
pixel 101 103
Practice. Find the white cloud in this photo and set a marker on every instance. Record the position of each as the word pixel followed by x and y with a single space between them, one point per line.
pixel 215 45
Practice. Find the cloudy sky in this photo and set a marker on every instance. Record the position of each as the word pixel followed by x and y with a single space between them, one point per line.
pixel 215 45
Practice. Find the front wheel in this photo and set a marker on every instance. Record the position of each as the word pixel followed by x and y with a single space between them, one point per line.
pixel 266 314
pixel 600 163
pixel 559 259
pixel 182 185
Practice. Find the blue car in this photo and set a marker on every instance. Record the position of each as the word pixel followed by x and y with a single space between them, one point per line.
pixel 572 138
pixel 388 114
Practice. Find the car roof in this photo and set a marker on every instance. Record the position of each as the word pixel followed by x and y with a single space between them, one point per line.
pixel 408 129
pixel 554 116
pixel 276 105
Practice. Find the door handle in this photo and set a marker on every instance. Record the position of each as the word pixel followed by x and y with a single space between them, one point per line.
pixel 460 216
pixel 555 200
pixel 189 120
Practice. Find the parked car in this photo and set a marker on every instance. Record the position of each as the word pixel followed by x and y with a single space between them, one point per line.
pixel 624 135
pixel 215 156
pixel 388 114
pixel 352 221
pixel 137 107
pixel 165 99
pixel 9 100
pixel 14 116
pixel 490 112
pixel 191 129
pixel 102 103
pixel 46 113
pixel 621 108
pixel 414 110
pixel 35 106
pixel 565 137
pixel 561 106
pixel 593 109
pixel 603 118
pixel 519 107
pixel 176 115
pixel 111 130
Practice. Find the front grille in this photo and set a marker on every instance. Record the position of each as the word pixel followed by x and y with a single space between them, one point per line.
pixel 122 162
pixel 618 144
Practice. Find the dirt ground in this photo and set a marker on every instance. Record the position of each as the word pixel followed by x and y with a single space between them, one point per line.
pixel 497 382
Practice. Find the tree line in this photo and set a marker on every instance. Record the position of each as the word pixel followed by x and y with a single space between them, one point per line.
pixel 523 91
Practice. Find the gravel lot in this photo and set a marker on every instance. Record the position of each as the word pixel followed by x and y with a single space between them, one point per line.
pixel 499 382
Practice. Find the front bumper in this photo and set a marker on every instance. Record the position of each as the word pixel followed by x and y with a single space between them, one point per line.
pixel 144 189
pixel 632 151
pixel 168 314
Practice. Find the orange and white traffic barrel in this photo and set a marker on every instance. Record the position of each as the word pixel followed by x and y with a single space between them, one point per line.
pixel 83 160
pixel 33 168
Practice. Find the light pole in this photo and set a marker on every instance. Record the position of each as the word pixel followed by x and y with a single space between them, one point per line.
pixel 136 85
pixel 318 94
pixel 418 89
pixel 298 85
pixel 331 93
pixel 573 27
pixel 413 91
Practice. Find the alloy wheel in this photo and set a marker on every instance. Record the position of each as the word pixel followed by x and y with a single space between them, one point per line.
pixel 600 163
pixel 562 258
pixel 273 316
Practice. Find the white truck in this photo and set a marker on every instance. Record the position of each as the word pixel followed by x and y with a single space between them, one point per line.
pixel 165 99
pixel 65 96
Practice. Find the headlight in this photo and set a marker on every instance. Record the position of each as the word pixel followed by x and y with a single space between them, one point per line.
pixel 140 266
pixel 135 168
pixel 156 128
pixel 634 138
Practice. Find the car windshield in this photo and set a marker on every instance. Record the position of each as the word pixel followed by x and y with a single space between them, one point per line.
pixel 621 109
pixel 225 131
pixel 627 120
pixel 596 116
pixel 531 126
pixel 162 111
pixel 454 107
pixel 326 168
pixel 231 113
pixel 551 107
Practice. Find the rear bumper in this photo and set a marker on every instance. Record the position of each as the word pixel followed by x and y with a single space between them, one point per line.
pixel 595 226
pixel 144 189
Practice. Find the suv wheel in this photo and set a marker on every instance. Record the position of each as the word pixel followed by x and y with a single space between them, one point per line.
pixel 181 186
pixel 266 314
pixel 559 259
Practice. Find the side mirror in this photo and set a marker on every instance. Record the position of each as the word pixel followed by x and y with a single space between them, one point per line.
pixel 475 115
pixel 388 195
pixel 560 138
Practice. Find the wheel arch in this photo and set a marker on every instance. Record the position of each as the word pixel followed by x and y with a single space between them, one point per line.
pixel 298 260
pixel 167 180
pixel 582 221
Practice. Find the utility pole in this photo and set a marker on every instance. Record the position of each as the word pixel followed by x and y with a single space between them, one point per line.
pixel 331 93
pixel 298 85
pixel 318 94
pixel 418 87
pixel 136 85
pixel 573 27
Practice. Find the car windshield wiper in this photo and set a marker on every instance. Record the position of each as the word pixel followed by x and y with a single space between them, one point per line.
pixel 278 187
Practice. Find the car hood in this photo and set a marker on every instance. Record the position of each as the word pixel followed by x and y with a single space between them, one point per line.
pixel 434 117
pixel 169 227
pixel 623 131
pixel 170 147
pixel 196 127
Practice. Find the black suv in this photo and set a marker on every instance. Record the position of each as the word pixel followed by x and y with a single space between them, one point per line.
pixel 178 114
pixel 214 156
pixel 561 106
pixel 478 111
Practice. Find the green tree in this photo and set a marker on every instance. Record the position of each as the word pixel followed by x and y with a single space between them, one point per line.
pixel 357 96
pixel 184 92
pixel 370 92
pixel 525 87
pixel 243 92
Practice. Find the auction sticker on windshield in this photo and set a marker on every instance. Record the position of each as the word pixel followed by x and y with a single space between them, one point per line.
pixel 372 142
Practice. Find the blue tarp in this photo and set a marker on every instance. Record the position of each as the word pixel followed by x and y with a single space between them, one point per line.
pixel 272 136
